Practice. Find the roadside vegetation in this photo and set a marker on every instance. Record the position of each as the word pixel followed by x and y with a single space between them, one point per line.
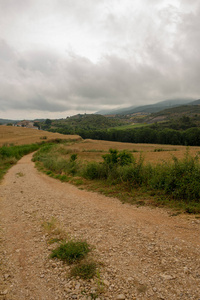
pixel 173 183
pixel 9 155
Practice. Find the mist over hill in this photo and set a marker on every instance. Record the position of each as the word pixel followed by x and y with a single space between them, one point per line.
pixel 151 108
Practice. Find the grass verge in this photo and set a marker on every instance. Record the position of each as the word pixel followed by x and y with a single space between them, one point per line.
pixel 9 155
pixel 173 184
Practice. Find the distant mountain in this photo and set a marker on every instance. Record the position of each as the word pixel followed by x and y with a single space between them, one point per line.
pixel 197 102
pixel 151 108
pixel 5 121
pixel 114 111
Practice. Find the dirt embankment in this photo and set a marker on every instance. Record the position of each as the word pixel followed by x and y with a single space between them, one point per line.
pixel 143 253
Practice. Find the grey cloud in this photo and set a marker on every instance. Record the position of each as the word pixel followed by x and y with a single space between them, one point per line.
pixel 77 82
pixel 6 52
pixel 142 60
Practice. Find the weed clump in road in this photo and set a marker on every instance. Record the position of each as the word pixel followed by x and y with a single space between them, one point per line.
pixel 71 251
pixel 86 270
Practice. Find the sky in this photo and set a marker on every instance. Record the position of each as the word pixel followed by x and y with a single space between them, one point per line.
pixel 63 57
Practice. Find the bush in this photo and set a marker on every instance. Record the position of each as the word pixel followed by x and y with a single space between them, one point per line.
pixel 125 158
pixel 115 158
pixel 94 170
pixel 73 157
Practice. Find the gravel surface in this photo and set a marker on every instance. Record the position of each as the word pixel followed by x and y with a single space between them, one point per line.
pixel 143 253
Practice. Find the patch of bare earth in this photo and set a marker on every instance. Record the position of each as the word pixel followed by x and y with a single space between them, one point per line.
pixel 146 254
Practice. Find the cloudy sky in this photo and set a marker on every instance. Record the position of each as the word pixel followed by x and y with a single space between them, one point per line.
pixel 62 57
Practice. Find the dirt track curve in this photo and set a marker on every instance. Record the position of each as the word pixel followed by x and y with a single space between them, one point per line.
pixel 145 253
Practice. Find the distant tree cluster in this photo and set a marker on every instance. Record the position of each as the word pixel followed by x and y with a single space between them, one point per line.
pixel 182 131
pixel 168 136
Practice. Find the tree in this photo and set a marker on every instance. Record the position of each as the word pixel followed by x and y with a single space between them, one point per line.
pixel 48 122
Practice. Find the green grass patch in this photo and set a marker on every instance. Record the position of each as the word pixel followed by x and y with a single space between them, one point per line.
pixel 86 270
pixel 129 126
pixel 71 251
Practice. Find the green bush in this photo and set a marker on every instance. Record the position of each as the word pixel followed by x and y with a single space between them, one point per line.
pixel 125 158
pixel 94 170
pixel 73 157
pixel 115 157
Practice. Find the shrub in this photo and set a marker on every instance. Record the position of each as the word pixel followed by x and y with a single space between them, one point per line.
pixel 94 170
pixel 125 158
pixel 111 158
pixel 114 158
pixel 73 157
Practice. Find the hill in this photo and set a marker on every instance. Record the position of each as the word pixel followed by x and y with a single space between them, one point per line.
pixel 151 108
pixel 191 111
pixel 20 135
pixel 6 121
pixel 81 122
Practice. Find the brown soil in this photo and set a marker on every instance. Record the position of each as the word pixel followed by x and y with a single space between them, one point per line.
pixel 143 253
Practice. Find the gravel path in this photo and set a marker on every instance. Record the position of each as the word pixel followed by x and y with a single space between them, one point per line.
pixel 143 253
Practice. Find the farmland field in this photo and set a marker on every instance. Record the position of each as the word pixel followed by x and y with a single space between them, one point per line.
pixel 92 150
pixel 21 136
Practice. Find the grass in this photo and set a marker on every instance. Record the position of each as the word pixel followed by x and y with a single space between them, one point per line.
pixel 125 175
pixel 71 251
pixel 9 155
pixel 85 270
pixel 129 126
pixel 54 230
pixel 21 136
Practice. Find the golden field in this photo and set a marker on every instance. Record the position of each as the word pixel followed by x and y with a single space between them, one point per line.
pixel 92 150
pixel 22 136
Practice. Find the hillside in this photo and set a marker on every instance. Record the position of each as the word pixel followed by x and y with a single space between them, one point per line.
pixel 151 108
pixel 6 121
pixel 192 112
pixel 20 135
pixel 81 122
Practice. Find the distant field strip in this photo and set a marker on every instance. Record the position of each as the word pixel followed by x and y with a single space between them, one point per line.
pixel 22 136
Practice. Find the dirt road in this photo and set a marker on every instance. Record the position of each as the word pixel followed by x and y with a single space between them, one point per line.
pixel 144 253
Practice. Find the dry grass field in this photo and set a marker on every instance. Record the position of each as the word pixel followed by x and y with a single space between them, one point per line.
pixel 22 136
pixel 92 150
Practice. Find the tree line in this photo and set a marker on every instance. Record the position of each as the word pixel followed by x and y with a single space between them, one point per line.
pixel 190 137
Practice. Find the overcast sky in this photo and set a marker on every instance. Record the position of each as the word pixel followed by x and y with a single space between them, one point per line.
pixel 62 57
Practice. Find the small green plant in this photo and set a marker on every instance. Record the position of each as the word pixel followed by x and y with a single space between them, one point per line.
pixel 53 240
pixel 99 282
pixel 86 270
pixel 71 251
pixel 49 225
pixel 73 157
